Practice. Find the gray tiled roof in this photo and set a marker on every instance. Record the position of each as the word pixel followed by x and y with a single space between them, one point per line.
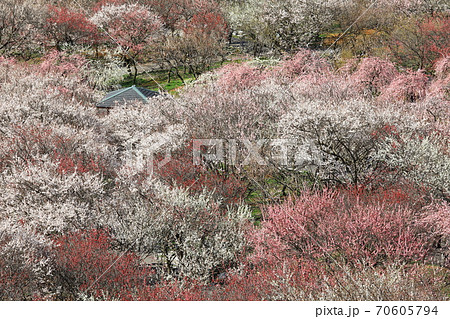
pixel 129 94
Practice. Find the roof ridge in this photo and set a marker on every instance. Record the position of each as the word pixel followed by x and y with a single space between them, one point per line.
pixel 119 92
pixel 139 92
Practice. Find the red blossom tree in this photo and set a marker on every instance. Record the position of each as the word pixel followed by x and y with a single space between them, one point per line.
pixel 181 171
pixel 196 37
pixel 66 26
pixel 61 64
pixel 86 263
pixel 305 63
pixel 420 42
pixel 132 27
pixel 175 13
pixel 440 86
pixel 209 24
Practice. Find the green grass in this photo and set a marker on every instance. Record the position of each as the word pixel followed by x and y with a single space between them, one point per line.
pixel 156 79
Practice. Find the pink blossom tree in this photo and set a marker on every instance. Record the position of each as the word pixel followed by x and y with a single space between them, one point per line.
pixel 327 223
pixel 240 76
pixel 440 86
pixel 409 86
pixel 304 63
pixel 373 74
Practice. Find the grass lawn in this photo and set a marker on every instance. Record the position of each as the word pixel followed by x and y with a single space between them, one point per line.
pixel 150 80
pixel 153 80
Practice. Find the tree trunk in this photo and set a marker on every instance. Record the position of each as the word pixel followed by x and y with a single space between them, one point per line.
pixel 169 75
pixel 135 73
pixel 179 75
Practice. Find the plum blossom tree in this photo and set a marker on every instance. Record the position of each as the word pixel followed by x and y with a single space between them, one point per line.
pixel 240 76
pixel 338 140
pixel 182 171
pixel 81 257
pixel 304 63
pixel 442 67
pixel 175 13
pixel 409 86
pixel 440 86
pixel 133 27
pixel 49 197
pixel 325 223
pixel 418 43
pixel 196 38
pixel 19 22
pixel 282 25
pixel 25 260
pixel 237 114
pixel 66 26
pixel 422 159
pixel 63 64
pixel 188 233
pixel 373 74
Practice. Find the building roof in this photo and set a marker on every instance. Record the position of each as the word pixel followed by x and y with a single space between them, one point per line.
pixel 132 93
